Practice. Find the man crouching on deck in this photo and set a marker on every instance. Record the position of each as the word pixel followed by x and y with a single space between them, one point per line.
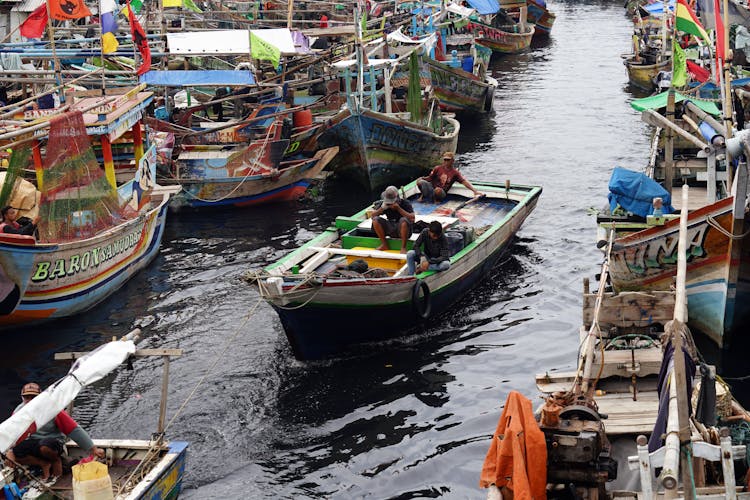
pixel 398 220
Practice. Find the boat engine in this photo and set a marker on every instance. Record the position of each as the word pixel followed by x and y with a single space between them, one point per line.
pixel 578 450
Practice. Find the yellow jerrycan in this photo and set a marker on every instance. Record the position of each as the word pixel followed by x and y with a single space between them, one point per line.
pixel 91 481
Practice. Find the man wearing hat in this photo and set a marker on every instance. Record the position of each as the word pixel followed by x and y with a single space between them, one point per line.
pixel 45 446
pixel 435 186
pixel 393 217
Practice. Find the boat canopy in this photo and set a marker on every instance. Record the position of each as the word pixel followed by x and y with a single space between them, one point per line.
pixel 485 6
pixel 657 8
pixel 228 42
pixel 660 101
pixel 635 192
pixel 187 78
pixel 460 10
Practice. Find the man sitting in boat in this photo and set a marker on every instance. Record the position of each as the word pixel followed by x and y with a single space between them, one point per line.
pixel 44 448
pixel 10 225
pixel 434 186
pixel 436 251
pixel 398 220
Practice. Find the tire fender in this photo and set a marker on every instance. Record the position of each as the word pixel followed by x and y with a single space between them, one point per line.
pixel 422 307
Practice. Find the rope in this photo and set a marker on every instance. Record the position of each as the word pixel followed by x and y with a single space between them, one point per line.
pixel 686 451
pixel 310 278
pixel 712 222
pixel 155 448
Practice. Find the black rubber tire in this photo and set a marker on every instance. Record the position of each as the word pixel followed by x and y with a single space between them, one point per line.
pixel 422 308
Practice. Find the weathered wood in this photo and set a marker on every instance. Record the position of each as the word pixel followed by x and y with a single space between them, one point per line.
pixel 629 309
pixel 64 356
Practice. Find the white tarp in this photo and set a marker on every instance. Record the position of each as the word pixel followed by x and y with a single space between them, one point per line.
pixel 461 11
pixel 45 407
pixel 398 36
pixel 227 41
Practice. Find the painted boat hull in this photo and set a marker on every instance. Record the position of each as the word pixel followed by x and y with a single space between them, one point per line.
pixel 642 75
pixel 647 260
pixel 542 18
pixel 376 149
pixel 503 42
pixel 41 282
pixel 459 91
pixel 286 184
pixel 344 312
pixel 164 482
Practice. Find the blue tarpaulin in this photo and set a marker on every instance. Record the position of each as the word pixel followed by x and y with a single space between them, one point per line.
pixel 635 192
pixel 188 78
pixel 485 6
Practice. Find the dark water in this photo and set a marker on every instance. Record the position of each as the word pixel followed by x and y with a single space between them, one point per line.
pixel 413 418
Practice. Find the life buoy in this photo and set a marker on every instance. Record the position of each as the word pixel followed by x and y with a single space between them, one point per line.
pixel 423 307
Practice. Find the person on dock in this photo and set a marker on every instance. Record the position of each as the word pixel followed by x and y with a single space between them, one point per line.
pixel 398 218
pixel 10 224
pixel 436 185
pixel 436 251
pixel 44 448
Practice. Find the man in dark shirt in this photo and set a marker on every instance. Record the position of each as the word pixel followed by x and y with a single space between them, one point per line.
pixel 435 186
pixel 398 220
pixel 436 251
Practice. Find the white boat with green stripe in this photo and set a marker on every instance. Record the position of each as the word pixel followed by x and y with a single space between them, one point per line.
pixel 326 307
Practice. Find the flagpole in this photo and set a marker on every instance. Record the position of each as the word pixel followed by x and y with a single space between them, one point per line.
pixel 55 61
pixel 727 91
pixel 101 46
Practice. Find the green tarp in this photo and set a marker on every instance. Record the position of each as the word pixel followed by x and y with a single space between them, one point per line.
pixel 660 101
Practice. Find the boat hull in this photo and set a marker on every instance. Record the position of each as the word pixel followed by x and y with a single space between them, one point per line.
pixel 459 91
pixel 642 75
pixel 286 184
pixel 341 313
pixel 647 260
pixel 542 18
pixel 503 42
pixel 40 282
pixel 376 149
pixel 164 482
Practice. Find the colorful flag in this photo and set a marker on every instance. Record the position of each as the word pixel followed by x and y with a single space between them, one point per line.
pixel 687 22
pixel 187 4
pixel 720 48
pixel 107 8
pixel 64 10
pixel 261 49
pixel 33 26
pixel 140 41
pixel 697 73
pixel 679 66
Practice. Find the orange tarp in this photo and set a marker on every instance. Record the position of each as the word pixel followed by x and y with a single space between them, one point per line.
pixel 517 457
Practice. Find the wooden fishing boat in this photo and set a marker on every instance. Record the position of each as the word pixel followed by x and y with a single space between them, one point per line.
pixel 92 236
pixel 542 18
pixel 253 183
pixel 461 91
pixel 377 149
pixel 313 299
pixel 133 468
pixel 642 73
pixel 636 403
pixel 510 39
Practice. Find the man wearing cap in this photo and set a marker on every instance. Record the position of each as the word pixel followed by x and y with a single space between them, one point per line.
pixel 45 446
pixel 398 218
pixel 435 186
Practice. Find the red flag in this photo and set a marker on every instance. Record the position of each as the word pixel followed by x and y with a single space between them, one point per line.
pixel 698 73
pixel 140 41
pixel 64 10
pixel 720 48
pixel 33 26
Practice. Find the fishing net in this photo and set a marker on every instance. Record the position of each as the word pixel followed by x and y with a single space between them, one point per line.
pixel 77 200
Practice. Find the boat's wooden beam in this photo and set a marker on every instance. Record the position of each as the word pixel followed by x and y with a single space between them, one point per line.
pixel 375 254
pixel 653 118
pixel 67 356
